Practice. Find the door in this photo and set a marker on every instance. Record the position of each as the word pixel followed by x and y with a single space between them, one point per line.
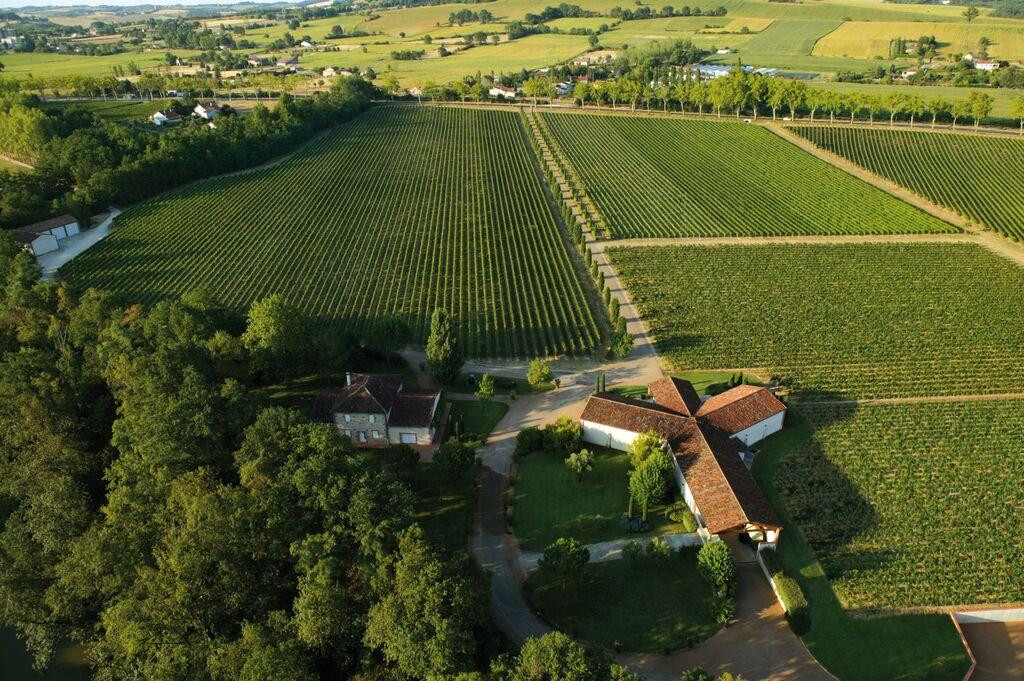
pixel 408 438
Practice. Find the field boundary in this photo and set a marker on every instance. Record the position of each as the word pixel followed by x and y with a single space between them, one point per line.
pixel 809 239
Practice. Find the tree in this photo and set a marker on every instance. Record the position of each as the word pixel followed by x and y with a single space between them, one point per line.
pixel 580 462
pixel 557 656
pixel 644 446
pixel 427 619
pixel 564 558
pixel 647 483
pixel 538 87
pixel 277 336
pixel 939 107
pixel 444 354
pixel 1018 112
pixel 540 374
pixel 980 105
pixel 485 391
pixel 454 457
pixel 563 436
pixel 388 335
pixel 717 567
pixel 971 13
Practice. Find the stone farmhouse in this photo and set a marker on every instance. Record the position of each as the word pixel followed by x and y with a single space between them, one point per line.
pixel 377 410
pixel 708 440
pixel 45 237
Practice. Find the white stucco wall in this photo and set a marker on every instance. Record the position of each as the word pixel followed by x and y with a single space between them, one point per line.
pixel 761 429
pixel 606 436
pixel 424 436
pixel 44 243
pixel 72 229
pixel 684 489
pixel 59 232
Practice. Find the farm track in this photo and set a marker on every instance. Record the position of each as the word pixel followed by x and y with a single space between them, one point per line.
pixel 970 397
pixel 16 162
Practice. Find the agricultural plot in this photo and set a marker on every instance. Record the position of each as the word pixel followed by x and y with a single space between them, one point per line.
pixel 849 320
pixel 912 505
pixel 665 178
pixel 119 111
pixel 869 39
pixel 397 213
pixel 979 177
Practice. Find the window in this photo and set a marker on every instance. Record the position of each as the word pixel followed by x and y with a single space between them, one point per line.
pixel 362 436
pixel 376 435
pixel 348 418
pixel 372 418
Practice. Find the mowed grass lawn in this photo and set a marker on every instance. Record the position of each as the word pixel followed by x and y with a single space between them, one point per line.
pixel 476 416
pixel 665 178
pixel 841 320
pixel 550 503
pixel 645 609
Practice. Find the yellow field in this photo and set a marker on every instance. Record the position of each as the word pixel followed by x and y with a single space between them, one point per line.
pixel 316 29
pixel 48 65
pixel 414 21
pixel 869 39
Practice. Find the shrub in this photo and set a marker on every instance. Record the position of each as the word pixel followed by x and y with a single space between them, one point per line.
pixel 565 558
pixel 563 437
pixel 659 552
pixel 697 674
pixel 717 567
pixel 679 512
pixel 633 552
pixel 722 609
pixel 539 374
pixel 529 440
pixel 798 611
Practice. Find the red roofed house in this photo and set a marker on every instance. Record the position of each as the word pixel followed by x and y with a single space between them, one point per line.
pixel 706 440
pixel 44 237
pixel 207 110
pixel 165 118
pixel 377 410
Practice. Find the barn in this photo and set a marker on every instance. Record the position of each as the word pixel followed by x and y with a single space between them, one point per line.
pixel 45 237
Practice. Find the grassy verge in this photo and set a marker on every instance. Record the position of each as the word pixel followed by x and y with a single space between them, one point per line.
pixel 550 503
pixel 646 609
pixel 444 508
pixel 503 385
pixel 478 418
pixel 905 647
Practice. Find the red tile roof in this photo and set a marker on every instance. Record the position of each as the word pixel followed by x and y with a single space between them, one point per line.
pixel 739 408
pixel 365 394
pixel 413 409
pixel 676 394
pixel 725 492
pixel 632 415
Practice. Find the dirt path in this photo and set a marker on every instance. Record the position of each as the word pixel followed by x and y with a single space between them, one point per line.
pixel 16 162
pixel 796 401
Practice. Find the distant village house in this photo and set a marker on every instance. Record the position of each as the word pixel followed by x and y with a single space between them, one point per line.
pixel 207 110
pixel 377 410
pixel 165 118
pixel 503 92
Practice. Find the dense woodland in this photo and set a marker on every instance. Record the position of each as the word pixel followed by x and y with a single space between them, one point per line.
pixel 155 508
pixel 84 164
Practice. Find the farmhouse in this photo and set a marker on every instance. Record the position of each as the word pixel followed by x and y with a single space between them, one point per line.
pixel 207 110
pixel 377 410
pixel 45 237
pixel 706 438
pixel 165 118
pixel 329 72
pixel 285 62
pixel 500 91
pixel 986 65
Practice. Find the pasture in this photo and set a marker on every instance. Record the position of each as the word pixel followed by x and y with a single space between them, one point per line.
pixel 119 111
pixel 979 177
pixel 842 320
pixel 664 178
pixel 867 40
pixel 48 65
pixel 912 505
pixel 402 211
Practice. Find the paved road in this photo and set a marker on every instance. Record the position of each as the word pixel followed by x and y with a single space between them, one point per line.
pixel 999 649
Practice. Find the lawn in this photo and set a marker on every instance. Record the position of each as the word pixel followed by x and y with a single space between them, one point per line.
pixel 550 503
pixel 478 417
pixel 444 508
pixel 396 213
pixel 912 505
pixel 851 320
pixel 662 178
pixel 645 609
pixel 904 647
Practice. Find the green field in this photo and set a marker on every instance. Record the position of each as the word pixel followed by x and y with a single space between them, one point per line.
pixel 979 177
pixel 645 609
pixel 48 65
pixel 402 211
pixel 867 39
pixel 909 647
pixel 913 504
pixel 549 501
pixel 659 178
pixel 119 111
pixel 851 320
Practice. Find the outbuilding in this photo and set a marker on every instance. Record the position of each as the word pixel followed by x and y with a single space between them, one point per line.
pixel 45 237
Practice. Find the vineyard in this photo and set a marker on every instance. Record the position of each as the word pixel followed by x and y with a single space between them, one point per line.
pixel 979 177
pixel 913 504
pixel 666 178
pixel 850 320
pixel 402 211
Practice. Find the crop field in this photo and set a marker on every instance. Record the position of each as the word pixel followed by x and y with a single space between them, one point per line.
pixel 868 39
pixel 790 36
pixel 979 177
pixel 119 111
pixel 397 213
pixel 842 320
pixel 912 504
pixel 664 178
pixel 48 65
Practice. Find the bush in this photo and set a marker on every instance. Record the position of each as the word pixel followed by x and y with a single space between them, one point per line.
pixel 798 610
pixel 563 437
pixel 679 512
pixel 697 674
pixel 717 567
pixel 722 609
pixel 633 552
pixel 659 552
pixel 529 440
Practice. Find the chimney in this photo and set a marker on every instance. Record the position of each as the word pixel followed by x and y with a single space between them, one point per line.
pixel 348 378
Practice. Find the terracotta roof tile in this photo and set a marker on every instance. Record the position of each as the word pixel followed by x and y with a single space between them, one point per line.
pixel 413 408
pixel 739 408
pixel 366 394
pixel 676 394
pixel 635 416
